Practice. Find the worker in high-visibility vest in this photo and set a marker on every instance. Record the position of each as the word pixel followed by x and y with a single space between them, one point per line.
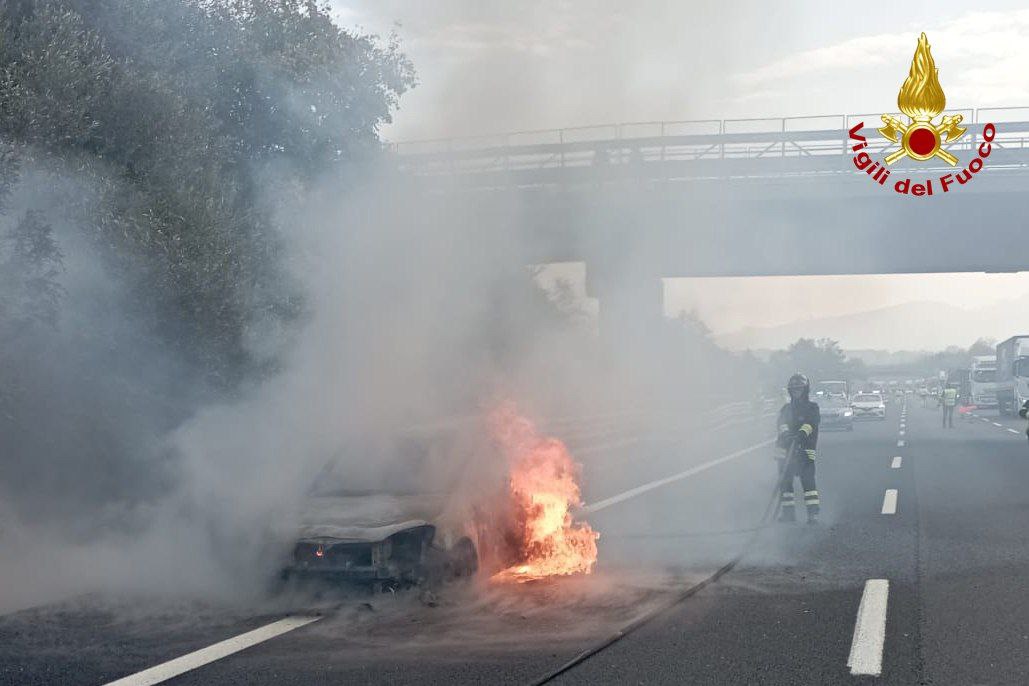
pixel 950 400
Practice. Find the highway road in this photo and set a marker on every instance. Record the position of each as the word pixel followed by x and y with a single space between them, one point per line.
pixel 916 575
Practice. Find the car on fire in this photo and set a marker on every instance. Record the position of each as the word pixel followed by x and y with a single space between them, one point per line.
pixel 868 406
pixel 836 414
pixel 354 530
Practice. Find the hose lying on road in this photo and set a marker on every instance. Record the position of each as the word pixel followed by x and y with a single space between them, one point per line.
pixel 770 509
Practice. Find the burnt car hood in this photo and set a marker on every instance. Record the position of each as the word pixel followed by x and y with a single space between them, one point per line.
pixel 366 518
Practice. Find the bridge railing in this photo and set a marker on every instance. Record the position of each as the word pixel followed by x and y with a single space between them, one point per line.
pixel 677 142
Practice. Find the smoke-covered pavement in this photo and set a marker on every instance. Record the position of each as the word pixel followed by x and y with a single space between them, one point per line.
pixel 785 615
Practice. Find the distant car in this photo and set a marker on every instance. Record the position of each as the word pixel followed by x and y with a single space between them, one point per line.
pixel 836 414
pixel 868 406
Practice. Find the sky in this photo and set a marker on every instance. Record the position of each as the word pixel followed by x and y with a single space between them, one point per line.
pixel 491 66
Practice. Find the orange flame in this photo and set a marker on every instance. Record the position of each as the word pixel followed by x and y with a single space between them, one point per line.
pixel 921 97
pixel 543 490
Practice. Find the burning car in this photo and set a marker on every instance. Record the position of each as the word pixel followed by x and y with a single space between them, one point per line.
pixel 414 526
pixel 366 522
pixel 383 540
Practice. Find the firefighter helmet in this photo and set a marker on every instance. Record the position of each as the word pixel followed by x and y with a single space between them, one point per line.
pixel 798 386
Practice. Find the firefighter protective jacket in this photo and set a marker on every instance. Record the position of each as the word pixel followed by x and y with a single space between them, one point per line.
pixel 799 419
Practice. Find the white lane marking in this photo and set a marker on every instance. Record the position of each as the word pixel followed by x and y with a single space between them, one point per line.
pixel 984 419
pixel 996 423
pixel 896 462
pixel 1014 431
pixel 639 490
pixel 901 432
pixel 866 648
pixel 199 658
pixel 900 444
pixel 890 501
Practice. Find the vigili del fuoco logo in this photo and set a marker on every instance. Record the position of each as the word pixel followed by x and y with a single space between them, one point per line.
pixel 921 138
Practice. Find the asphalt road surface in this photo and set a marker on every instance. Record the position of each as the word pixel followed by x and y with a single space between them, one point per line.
pixel 917 575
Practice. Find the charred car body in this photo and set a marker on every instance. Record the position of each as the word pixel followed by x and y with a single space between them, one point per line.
pixel 355 530
pixel 382 540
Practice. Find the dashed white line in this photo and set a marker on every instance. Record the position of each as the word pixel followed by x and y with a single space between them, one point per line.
pixel 900 444
pixel 890 501
pixel 199 658
pixel 896 462
pixel 639 490
pixel 866 648
pixel 997 424
pixel 984 419
pixel 901 432
pixel 1014 431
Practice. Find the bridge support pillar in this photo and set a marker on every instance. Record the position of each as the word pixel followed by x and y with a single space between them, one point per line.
pixel 631 307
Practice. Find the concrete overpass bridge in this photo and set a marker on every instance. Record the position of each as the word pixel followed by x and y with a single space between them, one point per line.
pixel 743 197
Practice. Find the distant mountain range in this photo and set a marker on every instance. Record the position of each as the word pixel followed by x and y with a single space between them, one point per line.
pixel 923 325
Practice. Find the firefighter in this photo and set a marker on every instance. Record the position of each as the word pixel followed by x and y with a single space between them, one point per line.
pixel 949 399
pixel 798 437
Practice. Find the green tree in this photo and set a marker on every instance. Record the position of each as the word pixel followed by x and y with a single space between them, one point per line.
pixel 178 113
pixel 983 346
pixel 820 360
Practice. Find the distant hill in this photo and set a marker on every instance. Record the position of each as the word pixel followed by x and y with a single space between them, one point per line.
pixel 924 325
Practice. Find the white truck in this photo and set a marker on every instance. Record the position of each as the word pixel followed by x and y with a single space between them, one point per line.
pixel 982 381
pixel 1012 387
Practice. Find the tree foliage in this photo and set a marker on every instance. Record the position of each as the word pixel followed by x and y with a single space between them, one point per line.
pixel 181 113
pixel 819 360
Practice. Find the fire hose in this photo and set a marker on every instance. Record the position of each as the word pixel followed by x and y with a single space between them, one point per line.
pixel 771 509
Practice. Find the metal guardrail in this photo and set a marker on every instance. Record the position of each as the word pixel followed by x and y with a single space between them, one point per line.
pixel 674 142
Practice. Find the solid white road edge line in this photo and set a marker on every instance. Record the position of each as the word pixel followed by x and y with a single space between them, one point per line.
pixel 890 501
pixel 896 462
pixel 639 490
pixel 866 648
pixel 199 658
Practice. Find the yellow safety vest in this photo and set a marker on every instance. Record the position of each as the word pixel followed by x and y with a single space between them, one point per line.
pixel 950 397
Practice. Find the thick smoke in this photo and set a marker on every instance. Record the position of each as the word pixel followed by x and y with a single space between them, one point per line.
pixel 142 471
